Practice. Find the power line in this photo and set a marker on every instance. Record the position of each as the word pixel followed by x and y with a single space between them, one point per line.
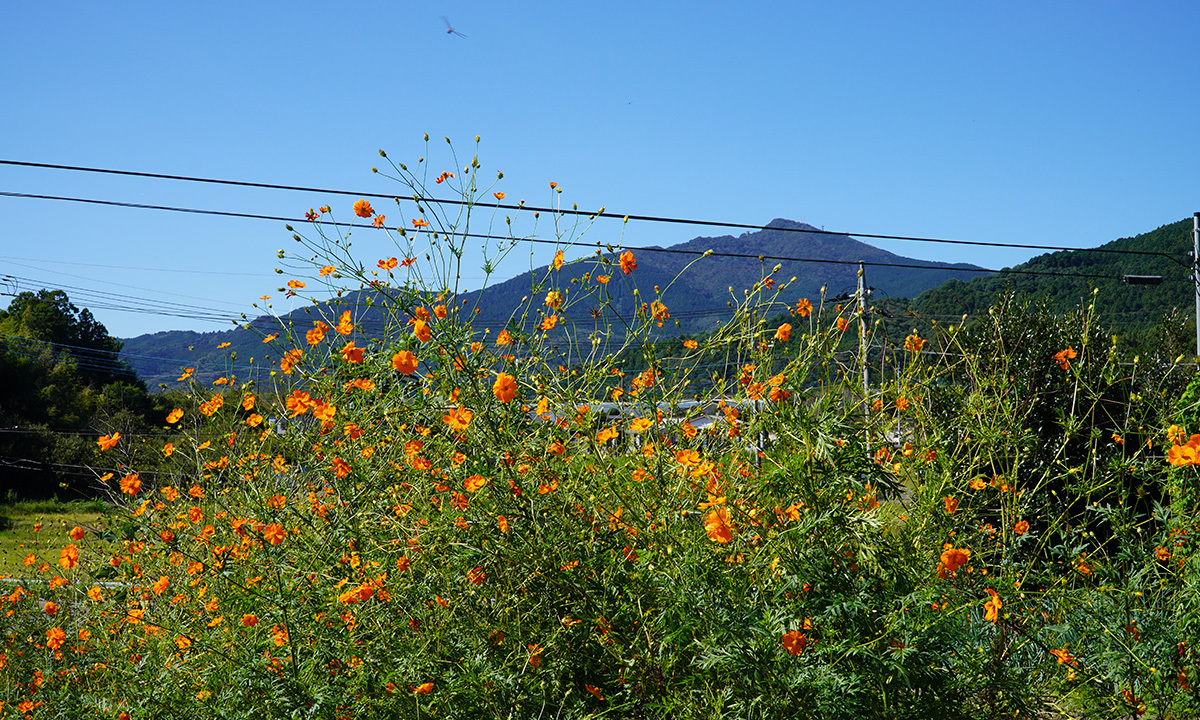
pixel 56 261
pixel 597 245
pixel 573 211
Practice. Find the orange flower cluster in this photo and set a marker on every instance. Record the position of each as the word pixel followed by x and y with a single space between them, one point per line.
pixel 1185 454
pixel 952 559
pixel 1064 357
pixel 108 442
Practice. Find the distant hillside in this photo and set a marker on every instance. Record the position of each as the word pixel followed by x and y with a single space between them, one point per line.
pixel 697 299
pixel 1121 305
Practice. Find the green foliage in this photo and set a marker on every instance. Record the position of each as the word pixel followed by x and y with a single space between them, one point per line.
pixel 61 386
pixel 518 528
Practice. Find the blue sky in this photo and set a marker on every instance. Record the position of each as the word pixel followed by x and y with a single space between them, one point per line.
pixel 1064 123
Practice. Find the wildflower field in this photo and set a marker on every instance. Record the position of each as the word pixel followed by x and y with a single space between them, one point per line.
pixel 425 518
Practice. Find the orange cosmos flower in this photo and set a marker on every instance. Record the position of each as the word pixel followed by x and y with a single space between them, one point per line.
pixel 323 411
pixel 593 689
pixel 549 322
pixel 344 326
pixel 794 642
pixel 1063 357
pixel 439 311
pixel 1162 554
pixel 784 332
pixel 419 223
pixel 503 338
pixel 993 606
pixel 553 299
pixel 502 522
pixel 55 637
pixel 352 353
pixel 388 264
pixel 505 387
pixel 458 419
pixel 405 362
pixel 77 533
pixel 50 608
pixel 914 343
pixel 499 195
pixel 1064 656
pixel 803 307
pixel 640 424
pixel 1021 528
pixel 687 458
pixel 659 312
pixel 327 270
pixel 952 559
pixel 187 373
pixel 298 403
pixel 296 284
pixel 274 533
pixel 1180 455
pixel 131 484
pixel 422 689
pixel 378 222
pixel 558 260
pixel 690 344
pixel 602 279
pixel 289 360
pixel 475 482
pixel 340 467
pixel 175 415
pixel 317 334
pixel 108 442
pixel 362 208
pixel 421 331
pixel 951 504
pixel 69 557
pixel 628 263
pixel 716 526
pixel 842 324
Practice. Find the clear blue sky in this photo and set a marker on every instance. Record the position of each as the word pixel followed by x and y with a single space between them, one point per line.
pixel 1068 123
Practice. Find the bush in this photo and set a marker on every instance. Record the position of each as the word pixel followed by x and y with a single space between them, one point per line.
pixel 438 520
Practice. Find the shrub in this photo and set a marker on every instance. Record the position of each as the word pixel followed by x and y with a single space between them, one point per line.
pixel 432 519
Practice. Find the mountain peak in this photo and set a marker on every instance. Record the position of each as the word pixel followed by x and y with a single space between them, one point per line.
pixel 785 224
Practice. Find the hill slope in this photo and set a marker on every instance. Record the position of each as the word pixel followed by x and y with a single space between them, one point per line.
pixel 697 298
pixel 1122 305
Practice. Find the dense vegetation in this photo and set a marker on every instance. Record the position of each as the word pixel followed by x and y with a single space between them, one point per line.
pixel 61 385
pixel 431 519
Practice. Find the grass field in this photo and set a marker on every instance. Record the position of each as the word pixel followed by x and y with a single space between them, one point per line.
pixel 19 535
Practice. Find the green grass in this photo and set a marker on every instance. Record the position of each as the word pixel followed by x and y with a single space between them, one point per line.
pixel 19 538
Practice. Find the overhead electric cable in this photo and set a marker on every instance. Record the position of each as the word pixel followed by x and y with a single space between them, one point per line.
pixel 598 246
pixel 574 211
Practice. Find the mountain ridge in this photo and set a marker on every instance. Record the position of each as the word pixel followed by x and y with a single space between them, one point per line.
pixel 698 298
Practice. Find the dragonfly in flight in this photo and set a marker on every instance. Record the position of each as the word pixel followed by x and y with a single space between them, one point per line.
pixel 450 28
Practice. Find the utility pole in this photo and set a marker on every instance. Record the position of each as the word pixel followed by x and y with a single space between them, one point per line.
pixel 1196 272
pixel 862 332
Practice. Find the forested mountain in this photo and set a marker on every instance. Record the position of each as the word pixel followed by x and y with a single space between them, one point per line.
pixel 697 298
pixel 1122 305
